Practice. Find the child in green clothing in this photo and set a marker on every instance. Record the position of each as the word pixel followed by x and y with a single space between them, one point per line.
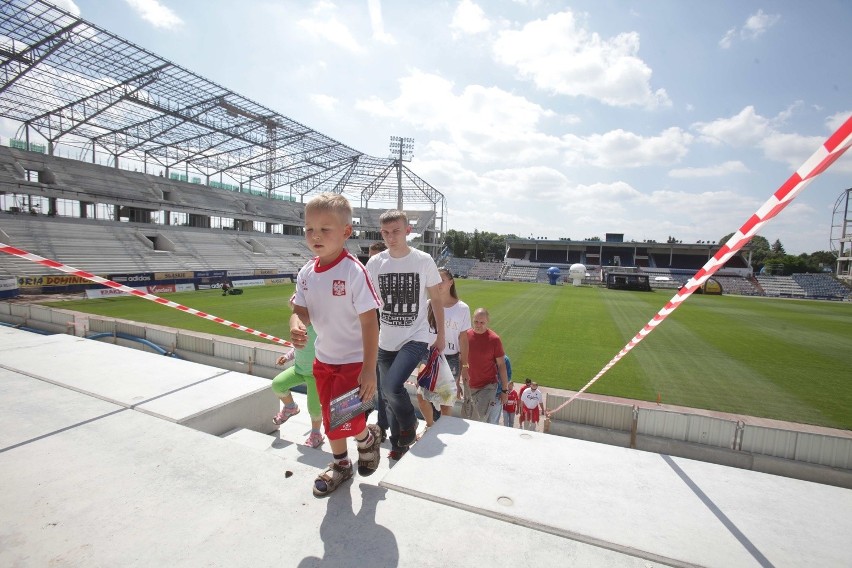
pixel 301 372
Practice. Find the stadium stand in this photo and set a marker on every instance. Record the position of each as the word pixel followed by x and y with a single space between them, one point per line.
pixel 461 267
pixel 487 270
pixel 780 286
pixel 822 286
pixel 737 285
pixel 103 248
pixel 521 273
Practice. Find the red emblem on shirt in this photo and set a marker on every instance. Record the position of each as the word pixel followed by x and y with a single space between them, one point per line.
pixel 338 288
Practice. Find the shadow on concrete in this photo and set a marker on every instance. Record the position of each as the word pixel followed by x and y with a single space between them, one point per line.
pixel 347 535
pixel 728 523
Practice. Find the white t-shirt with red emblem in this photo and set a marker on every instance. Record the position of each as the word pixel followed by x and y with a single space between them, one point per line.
pixel 335 295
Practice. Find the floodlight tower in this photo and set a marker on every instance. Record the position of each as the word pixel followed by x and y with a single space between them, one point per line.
pixel 401 150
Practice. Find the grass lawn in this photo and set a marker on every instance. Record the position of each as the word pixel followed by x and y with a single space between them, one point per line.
pixel 784 359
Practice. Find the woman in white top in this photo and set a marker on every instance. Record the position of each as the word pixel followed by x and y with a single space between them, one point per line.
pixel 456 322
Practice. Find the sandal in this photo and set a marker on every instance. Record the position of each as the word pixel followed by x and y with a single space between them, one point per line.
pixel 332 478
pixel 368 458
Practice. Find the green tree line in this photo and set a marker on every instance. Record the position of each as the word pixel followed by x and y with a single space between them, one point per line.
pixel 777 261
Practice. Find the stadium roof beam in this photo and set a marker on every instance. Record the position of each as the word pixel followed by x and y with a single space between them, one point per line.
pixel 42 50
pixel 103 101
pixel 80 86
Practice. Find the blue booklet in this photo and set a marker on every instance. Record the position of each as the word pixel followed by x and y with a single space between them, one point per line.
pixel 347 406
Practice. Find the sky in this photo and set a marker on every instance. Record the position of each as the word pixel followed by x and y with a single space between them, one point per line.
pixel 544 118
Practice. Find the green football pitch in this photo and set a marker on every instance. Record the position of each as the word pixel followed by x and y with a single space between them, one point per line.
pixel 784 359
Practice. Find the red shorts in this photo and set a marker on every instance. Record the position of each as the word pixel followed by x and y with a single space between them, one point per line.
pixel 332 381
pixel 530 414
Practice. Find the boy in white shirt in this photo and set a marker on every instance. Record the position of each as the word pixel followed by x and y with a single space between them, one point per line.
pixel 335 295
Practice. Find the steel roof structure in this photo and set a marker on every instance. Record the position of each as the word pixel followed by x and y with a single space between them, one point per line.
pixel 75 84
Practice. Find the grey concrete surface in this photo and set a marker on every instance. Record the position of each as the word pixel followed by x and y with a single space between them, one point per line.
pixel 89 481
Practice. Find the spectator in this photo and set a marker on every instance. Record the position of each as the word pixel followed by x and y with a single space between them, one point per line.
pixel 486 366
pixel 510 409
pixel 532 402
pixel 334 293
pixel 496 410
pixel 301 372
pixel 376 248
pixel 382 417
pixel 527 383
pixel 456 324
pixel 404 277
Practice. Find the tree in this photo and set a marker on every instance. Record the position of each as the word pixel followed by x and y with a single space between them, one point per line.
pixel 760 249
pixel 778 248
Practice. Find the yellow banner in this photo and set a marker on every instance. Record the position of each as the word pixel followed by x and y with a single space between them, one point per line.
pixel 51 280
pixel 174 275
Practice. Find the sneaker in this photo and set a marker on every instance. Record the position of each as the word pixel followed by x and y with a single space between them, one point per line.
pixel 368 458
pixel 315 440
pixel 285 415
pixel 397 454
pixel 408 436
pixel 332 478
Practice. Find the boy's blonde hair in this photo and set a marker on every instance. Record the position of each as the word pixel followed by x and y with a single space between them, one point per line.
pixel 393 215
pixel 333 203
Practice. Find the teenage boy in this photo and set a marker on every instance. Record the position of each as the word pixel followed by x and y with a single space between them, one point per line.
pixel 335 295
pixel 404 278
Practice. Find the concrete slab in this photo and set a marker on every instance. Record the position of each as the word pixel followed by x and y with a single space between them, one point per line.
pixel 131 490
pixel 670 510
pixel 220 404
pixel 34 409
pixel 116 374
pixel 202 397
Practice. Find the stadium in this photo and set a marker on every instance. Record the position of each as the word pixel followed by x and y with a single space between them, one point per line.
pixel 144 173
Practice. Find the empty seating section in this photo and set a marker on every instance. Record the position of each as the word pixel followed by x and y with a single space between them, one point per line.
pixel 74 179
pixel 782 286
pixel 486 270
pixel 519 272
pixel 105 248
pixel 460 267
pixel 822 286
pixel 737 285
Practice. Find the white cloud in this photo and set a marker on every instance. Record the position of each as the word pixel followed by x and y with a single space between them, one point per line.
pixel 622 149
pixel 754 27
pixel 836 120
pixel 757 24
pixel 156 14
pixel 469 19
pixel 325 26
pixel 67 5
pixel 325 103
pixel 750 130
pixel 377 21
pixel 730 167
pixel 485 123
pixel 744 129
pixel 561 56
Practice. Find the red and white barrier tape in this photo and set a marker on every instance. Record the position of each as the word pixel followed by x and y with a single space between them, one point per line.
pixel 832 149
pixel 162 301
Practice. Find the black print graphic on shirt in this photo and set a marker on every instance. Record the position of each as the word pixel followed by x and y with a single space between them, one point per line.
pixel 401 297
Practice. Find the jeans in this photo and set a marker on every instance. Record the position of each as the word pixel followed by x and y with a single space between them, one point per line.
pixel 395 367
pixel 494 411
pixel 508 419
